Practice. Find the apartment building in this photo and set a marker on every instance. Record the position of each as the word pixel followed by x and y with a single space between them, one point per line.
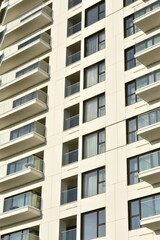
pixel 79 119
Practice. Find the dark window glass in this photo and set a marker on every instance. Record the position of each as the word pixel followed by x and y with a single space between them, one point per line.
pixel 72 3
pixel 132 127
pixel 93 182
pixel 130 60
pixel 22 131
pixel 93 224
pixel 94 107
pixel 94 143
pixel 94 74
pixel 94 43
pixel 95 13
pixel 128 2
pixel 129 27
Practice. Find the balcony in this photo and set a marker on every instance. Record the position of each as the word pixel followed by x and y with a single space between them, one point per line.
pixel 13 111
pixel 147 18
pixel 20 208
pixel 68 228
pixel 148 51
pixel 70 152
pixel 74 24
pixel 72 84
pixel 21 139
pixel 150 213
pixel 26 24
pixel 71 117
pixel 149 125
pixel 23 171
pixel 24 51
pixel 73 54
pixel 69 190
pixel 148 86
pixel 16 81
pixel 17 7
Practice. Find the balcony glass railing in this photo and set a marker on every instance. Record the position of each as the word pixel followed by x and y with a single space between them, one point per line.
pixel 71 89
pixel 21 200
pixel 20 236
pixel 69 195
pixel 69 234
pixel 148 118
pixel 150 207
pixel 73 58
pixel 148 79
pixel 72 3
pixel 149 161
pixel 29 41
pixel 32 127
pixel 70 157
pixel 73 29
pixel 11 77
pixel 72 122
pixel 147 10
pixel 34 95
pixel 150 42
pixel 26 70
pixel 24 163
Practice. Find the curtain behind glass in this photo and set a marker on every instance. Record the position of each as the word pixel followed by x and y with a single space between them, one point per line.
pixel 92 45
pixel 91 76
pixel 90 226
pixel 90 184
pixel 90 145
pixel 90 109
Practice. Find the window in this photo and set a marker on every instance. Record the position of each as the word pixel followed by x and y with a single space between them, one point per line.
pixel 141 163
pixel 94 143
pixel 143 208
pixel 95 13
pixel 129 27
pixel 94 107
pixel 94 43
pixel 94 74
pixel 130 60
pixel 128 2
pixel 132 127
pixel 140 82
pixel 93 224
pixel 93 182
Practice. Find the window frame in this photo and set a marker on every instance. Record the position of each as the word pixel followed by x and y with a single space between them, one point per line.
pixel 133 59
pixel 97 221
pixel 99 12
pixel 97 170
pixel 125 3
pixel 98 64
pixel 99 42
pixel 98 107
pixel 98 142
pixel 134 28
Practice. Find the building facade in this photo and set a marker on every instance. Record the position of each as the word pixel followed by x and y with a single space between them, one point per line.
pixel 79 119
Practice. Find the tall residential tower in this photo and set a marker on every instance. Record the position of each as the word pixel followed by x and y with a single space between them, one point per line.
pixel 79 119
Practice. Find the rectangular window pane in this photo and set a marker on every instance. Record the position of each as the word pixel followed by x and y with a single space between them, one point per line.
pixel 90 145
pixel 89 226
pixel 90 184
